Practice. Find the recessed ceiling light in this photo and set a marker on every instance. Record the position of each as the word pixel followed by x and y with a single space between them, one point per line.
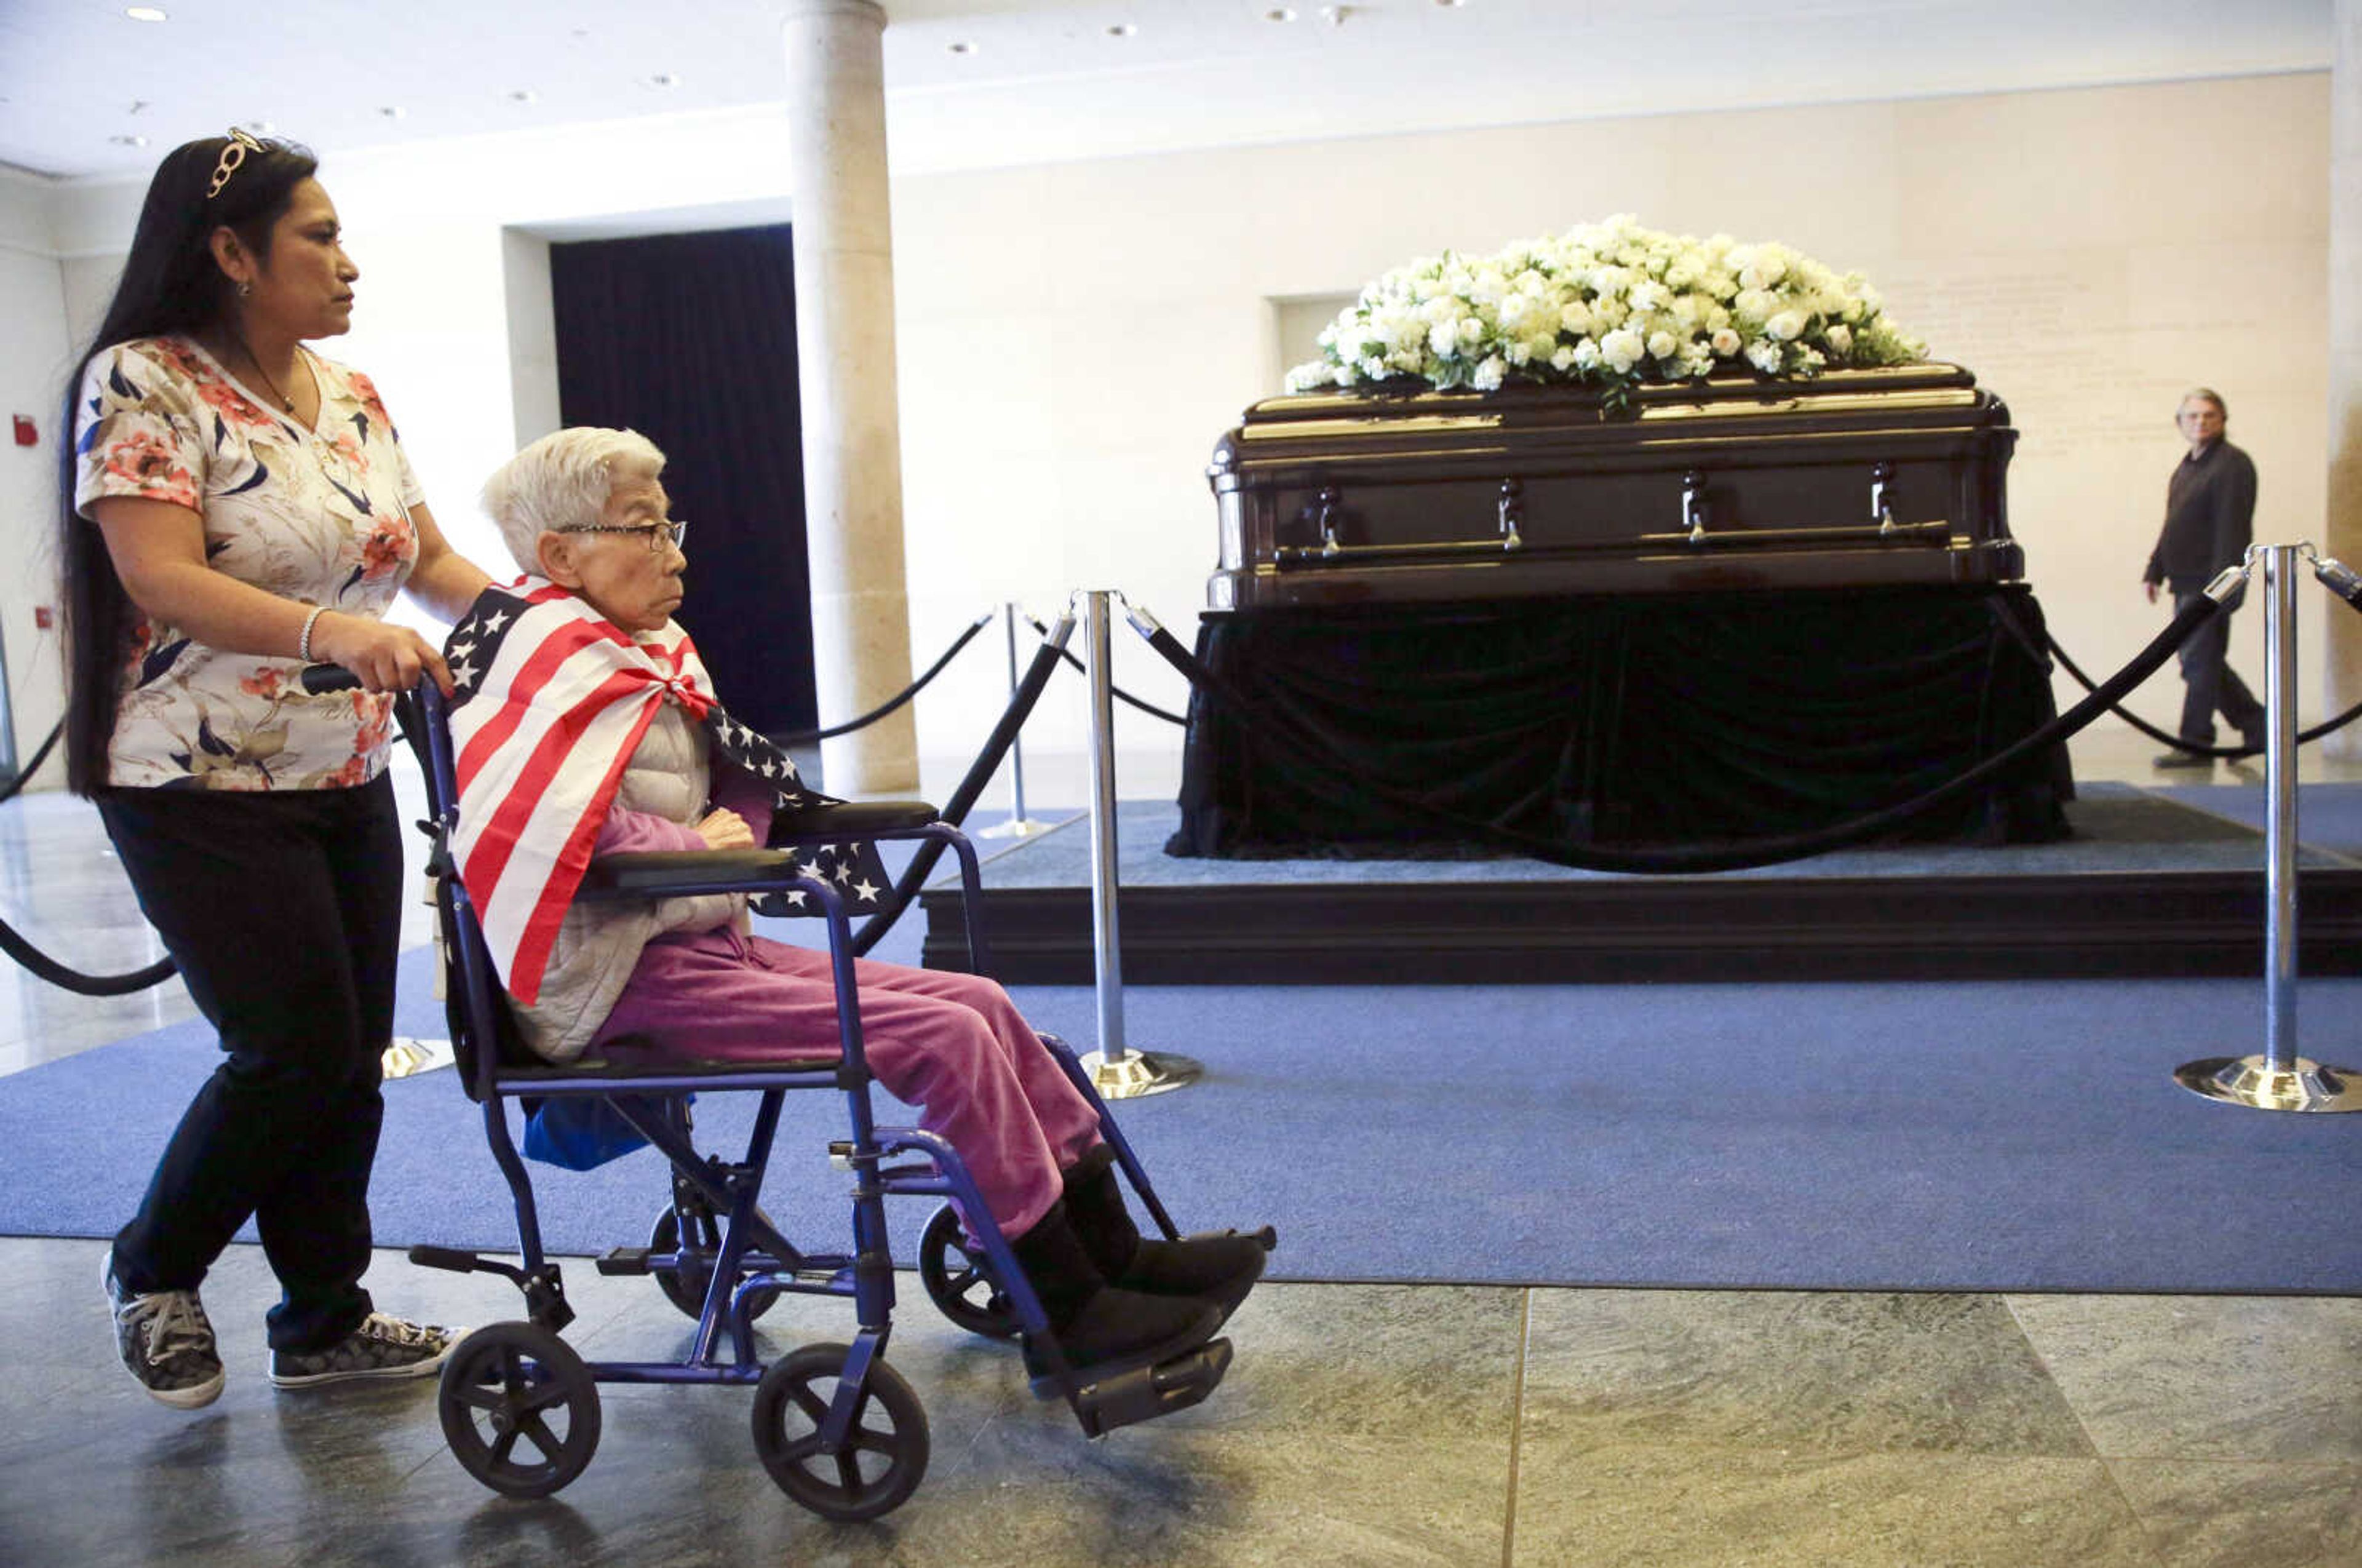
pixel 393 111
pixel 128 141
pixel 146 13
pixel 1122 31
pixel 524 95
pixel 662 79
pixel 1452 5
pixel 961 46
pixel 1280 14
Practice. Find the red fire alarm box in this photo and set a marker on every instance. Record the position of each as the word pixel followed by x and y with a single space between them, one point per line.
pixel 26 435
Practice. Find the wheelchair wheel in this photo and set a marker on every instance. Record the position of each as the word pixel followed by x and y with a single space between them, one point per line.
pixel 685 1287
pixel 959 1281
pixel 519 1408
pixel 878 1469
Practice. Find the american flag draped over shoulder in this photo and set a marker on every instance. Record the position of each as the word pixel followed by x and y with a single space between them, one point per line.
pixel 550 702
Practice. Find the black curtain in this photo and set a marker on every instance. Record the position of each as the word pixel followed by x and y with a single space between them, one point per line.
pixel 1642 720
pixel 691 339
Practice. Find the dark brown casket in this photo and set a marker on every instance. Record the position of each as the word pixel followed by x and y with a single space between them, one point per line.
pixel 1886 476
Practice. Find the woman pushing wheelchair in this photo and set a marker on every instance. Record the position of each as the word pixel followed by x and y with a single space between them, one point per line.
pixel 585 725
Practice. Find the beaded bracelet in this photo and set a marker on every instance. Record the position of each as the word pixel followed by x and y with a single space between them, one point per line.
pixel 304 641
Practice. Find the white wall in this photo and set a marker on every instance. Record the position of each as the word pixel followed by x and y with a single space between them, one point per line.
pixel 1074 337
pixel 34 356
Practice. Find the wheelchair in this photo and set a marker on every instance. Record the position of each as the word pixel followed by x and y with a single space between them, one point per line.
pixel 840 1430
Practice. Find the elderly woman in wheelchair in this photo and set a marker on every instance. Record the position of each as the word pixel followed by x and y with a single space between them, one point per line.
pixel 584 728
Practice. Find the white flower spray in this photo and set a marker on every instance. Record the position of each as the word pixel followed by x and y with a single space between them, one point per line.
pixel 1610 304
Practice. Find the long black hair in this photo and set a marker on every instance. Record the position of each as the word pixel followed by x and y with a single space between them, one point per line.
pixel 171 283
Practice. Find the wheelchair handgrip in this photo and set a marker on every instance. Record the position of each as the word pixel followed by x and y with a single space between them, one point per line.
pixel 676 873
pixel 319 679
pixel 851 819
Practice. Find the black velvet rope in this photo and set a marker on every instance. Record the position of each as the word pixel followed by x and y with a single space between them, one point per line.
pixel 1738 855
pixel 956 810
pixel 2229 753
pixel 805 737
pixel 1121 695
pixel 17 946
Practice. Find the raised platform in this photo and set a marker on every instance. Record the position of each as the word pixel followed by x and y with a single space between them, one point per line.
pixel 2151 884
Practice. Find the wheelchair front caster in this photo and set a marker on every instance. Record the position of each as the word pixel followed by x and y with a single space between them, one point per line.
pixel 884 1452
pixel 960 1281
pixel 519 1409
pixel 685 1287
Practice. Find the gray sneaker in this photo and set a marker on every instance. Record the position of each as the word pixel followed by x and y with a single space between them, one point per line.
pixel 382 1346
pixel 165 1341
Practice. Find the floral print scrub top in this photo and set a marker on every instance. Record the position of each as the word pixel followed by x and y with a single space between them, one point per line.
pixel 320 516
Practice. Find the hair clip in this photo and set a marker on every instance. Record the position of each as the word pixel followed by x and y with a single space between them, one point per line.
pixel 233 153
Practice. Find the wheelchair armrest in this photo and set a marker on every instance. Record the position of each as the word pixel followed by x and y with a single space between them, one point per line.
pixel 663 872
pixel 851 820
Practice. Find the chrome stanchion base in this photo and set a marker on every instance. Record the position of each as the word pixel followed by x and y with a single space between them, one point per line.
pixel 1015 827
pixel 1138 1073
pixel 2253 1081
pixel 407 1058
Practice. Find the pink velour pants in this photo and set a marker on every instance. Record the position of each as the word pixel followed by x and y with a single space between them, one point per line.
pixel 953 1044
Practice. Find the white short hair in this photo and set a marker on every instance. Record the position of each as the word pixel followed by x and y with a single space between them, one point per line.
pixel 562 482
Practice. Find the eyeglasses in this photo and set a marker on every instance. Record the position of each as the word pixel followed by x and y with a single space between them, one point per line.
pixel 671 531
pixel 233 153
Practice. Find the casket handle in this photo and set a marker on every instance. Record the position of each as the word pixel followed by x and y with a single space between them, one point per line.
pixel 1694 505
pixel 1326 518
pixel 1513 511
pixel 1881 511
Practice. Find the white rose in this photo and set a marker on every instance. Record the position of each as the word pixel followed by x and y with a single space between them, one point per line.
pixel 1787 326
pixel 1575 317
pixel 1586 354
pixel 1841 338
pixel 1442 340
pixel 1622 349
pixel 1471 331
pixel 1725 342
pixel 1562 360
pixel 1661 344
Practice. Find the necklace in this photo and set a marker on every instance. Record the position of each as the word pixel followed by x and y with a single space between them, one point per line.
pixel 284 401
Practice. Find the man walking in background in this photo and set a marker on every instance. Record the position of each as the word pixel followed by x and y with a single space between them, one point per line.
pixel 2209 515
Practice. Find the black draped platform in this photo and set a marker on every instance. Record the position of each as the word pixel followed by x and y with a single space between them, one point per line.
pixel 1626 720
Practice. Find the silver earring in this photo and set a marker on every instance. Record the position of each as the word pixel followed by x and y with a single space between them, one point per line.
pixel 243 288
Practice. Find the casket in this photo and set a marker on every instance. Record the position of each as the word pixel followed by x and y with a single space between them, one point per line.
pixel 1883 477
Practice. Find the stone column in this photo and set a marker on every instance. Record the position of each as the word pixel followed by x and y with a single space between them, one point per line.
pixel 2342 528
pixel 844 351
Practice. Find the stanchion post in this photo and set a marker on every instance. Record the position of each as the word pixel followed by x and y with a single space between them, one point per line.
pixel 2280 1079
pixel 1019 824
pixel 1117 1071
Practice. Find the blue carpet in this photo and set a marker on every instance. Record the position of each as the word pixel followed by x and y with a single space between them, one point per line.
pixel 1987 1136
pixel 2328 816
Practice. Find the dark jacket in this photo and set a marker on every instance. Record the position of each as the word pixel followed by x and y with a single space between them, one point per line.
pixel 2209 518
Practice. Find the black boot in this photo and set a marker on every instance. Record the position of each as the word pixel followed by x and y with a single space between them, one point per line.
pixel 1217 1268
pixel 1099 1327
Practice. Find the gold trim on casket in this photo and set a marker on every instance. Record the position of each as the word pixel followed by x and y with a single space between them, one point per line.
pixel 1886 476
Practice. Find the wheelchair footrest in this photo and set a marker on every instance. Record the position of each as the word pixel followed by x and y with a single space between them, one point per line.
pixel 1147 1392
pixel 623 1260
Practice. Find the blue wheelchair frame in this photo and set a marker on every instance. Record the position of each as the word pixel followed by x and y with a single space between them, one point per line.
pixel 753 1262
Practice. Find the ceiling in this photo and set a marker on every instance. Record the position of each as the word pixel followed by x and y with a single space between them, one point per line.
pixel 87 92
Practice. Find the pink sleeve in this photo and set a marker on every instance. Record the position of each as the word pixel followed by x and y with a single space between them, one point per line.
pixel 737 789
pixel 631 832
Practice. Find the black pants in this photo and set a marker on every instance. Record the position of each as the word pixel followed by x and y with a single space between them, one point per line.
pixel 2209 683
pixel 284 910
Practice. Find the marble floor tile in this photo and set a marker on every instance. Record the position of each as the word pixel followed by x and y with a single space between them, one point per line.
pixel 2199 1514
pixel 2229 1377
pixel 1640 1506
pixel 1842 1373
